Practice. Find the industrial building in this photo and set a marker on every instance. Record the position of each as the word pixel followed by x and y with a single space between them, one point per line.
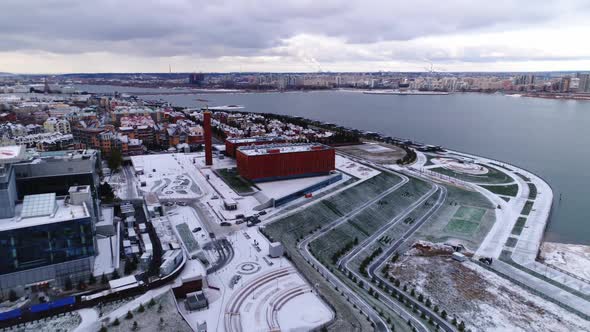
pixel 232 144
pixel 285 161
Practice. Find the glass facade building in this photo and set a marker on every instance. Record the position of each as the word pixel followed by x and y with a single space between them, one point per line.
pixel 46 244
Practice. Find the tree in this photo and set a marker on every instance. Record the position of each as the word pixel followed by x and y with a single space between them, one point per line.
pixel 361 284
pixel 116 322
pixel 68 284
pixel 420 297
pixel 436 308
pixel 443 314
pixel 103 279
pixel 454 321
pixel 129 315
pixel 413 293
pixel 462 326
pixel 92 280
pixel 106 192
pixel 135 325
pixel 428 302
pixel 12 296
pixel 81 285
pixel 151 303
pixel 115 275
pixel 141 308
pixel 103 329
pixel 115 160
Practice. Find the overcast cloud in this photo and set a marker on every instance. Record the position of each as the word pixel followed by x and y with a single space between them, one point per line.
pixel 146 36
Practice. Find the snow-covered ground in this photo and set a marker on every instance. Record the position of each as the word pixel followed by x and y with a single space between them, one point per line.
pixel 572 258
pixel 487 301
pixel 355 169
pixel 106 261
pixel 168 175
pixel 67 322
pixel 166 319
pixel 246 204
pixel 240 288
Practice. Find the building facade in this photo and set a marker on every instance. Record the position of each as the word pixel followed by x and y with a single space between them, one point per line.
pixel 285 161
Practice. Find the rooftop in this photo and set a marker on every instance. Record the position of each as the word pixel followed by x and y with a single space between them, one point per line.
pixel 10 154
pixel 35 217
pixel 255 139
pixel 281 148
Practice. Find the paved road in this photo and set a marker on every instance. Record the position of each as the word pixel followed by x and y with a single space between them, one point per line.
pixel 344 261
pixel 303 247
pixel 131 191
pixel 382 259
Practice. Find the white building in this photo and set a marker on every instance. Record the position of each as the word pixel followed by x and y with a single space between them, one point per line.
pixel 53 125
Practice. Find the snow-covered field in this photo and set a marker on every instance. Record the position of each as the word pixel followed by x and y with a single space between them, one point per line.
pixel 153 319
pixel 485 301
pixel 355 169
pixel 569 257
pixel 168 175
pixel 66 322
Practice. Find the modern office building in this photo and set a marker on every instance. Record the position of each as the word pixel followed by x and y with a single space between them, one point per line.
pixel 285 161
pixel 48 240
pixel 48 210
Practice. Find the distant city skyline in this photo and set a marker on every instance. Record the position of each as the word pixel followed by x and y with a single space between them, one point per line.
pixel 293 36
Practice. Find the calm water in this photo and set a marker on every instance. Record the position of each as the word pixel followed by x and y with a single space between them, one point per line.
pixel 547 137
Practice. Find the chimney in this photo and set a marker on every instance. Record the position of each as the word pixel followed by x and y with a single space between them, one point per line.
pixel 207 128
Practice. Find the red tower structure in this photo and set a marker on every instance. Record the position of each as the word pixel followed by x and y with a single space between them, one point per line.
pixel 207 129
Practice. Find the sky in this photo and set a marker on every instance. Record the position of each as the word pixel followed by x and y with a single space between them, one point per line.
pixel 73 36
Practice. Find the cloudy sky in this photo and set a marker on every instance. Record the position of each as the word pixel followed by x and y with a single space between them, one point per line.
pixel 63 36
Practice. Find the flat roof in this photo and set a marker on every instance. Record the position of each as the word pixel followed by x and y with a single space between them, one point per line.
pixel 259 150
pixel 9 154
pixel 62 213
pixel 255 139
pixel 122 282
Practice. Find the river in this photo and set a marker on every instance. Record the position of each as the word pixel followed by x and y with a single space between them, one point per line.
pixel 548 137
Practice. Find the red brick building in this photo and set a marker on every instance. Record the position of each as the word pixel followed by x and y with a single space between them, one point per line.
pixel 285 161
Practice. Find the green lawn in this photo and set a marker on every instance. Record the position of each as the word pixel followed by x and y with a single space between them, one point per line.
pixel 187 237
pixel 231 177
pixel 465 220
pixel 532 191
pixel 528 206
pixel 511 242
pixel 509 190
pixel 494 176
pixel 469 213
pixel 518 227
pixel 461 226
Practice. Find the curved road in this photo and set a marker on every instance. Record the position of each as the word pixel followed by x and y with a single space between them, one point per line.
pixel 382 259
pixel 344 261
pixel 303 247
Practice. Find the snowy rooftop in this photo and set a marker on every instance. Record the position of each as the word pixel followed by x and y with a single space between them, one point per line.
pixel 281 148
pixel 63 212
pixel 254 139
pixel 9 154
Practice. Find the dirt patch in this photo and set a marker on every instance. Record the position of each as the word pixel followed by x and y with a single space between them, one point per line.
pixel 485 301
